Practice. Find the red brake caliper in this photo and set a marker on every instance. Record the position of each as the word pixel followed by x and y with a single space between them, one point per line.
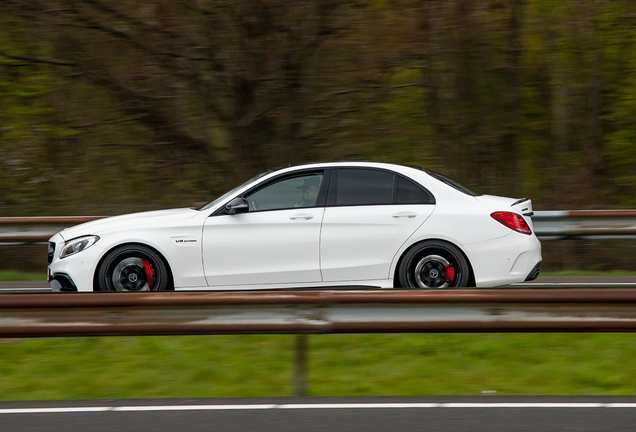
pixel 450 274
pixel 150 273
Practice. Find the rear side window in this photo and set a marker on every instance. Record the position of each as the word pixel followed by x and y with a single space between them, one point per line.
pixel 407 192
pixel 359 186
pixel 364 187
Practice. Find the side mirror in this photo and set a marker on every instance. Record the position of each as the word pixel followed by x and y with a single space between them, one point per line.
pixel 237 205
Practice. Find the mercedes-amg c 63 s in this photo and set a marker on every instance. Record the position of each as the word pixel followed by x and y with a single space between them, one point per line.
pixel 318 225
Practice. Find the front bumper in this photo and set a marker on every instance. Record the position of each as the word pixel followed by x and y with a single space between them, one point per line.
pixel 75 272
pixel 61 282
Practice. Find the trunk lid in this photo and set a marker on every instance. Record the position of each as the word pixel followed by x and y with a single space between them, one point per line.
pixel 522 205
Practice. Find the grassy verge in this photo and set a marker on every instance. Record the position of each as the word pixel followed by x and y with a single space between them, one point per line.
pixel 10 275
pixel 257 365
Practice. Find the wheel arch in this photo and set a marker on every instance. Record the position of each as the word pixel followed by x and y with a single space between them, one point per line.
pixel 396 276
pixel 170 286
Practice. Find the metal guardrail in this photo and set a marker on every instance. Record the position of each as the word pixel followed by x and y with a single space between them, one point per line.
pixel 548 225
pixel 378 311
pixel 37 229
pixel 310 312
pixel 584 223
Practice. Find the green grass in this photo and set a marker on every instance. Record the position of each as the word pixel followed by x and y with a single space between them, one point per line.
pixel 365 364
pixel 10 275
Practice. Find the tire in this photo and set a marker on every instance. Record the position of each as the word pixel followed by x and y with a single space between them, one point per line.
pixel 434 265
pixel 132 268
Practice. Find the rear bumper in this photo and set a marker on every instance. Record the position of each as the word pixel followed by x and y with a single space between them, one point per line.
pixel 504 260
pixel 534 273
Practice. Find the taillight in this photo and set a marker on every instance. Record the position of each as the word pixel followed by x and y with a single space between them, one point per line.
pixel 513 221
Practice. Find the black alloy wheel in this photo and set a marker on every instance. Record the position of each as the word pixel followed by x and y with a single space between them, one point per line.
pixel 433 265
pixel 133 268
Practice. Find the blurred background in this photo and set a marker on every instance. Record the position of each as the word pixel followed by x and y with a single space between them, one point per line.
pixel 109 107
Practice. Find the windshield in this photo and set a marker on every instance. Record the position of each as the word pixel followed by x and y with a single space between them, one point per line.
pixel 230 193
pixel 449 182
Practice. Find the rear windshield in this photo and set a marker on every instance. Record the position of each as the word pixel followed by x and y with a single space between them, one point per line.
pixel 451 183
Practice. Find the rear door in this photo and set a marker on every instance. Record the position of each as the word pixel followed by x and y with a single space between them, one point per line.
pixel 370 213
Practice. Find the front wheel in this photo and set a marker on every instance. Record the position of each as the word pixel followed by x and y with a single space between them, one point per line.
pixel 434 264
pixel 132 268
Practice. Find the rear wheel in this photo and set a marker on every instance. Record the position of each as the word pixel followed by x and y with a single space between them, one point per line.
pixel 133 268
pixel 434 264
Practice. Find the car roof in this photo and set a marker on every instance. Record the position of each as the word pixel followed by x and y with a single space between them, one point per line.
pixel 359 164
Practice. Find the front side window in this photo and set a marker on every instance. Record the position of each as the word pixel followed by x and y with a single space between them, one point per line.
pixel 289 193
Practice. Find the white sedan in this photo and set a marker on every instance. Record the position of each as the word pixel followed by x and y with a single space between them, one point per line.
pixel 318 225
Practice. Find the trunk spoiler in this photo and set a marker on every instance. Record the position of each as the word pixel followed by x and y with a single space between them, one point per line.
pixel 526 211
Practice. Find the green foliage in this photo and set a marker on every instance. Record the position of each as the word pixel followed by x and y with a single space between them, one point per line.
pixel 521 98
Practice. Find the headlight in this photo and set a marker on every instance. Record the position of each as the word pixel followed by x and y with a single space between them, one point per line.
pixel 77 245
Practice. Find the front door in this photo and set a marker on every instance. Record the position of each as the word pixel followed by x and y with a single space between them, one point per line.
pixel 276 242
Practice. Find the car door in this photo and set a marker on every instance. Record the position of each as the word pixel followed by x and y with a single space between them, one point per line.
pixel 275 242
pixel 370 213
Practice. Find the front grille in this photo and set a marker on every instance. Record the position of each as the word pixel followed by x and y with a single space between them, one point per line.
pixel 51 251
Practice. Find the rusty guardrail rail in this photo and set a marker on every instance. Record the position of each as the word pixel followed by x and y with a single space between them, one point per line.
pixel 37 229
pixel 548 225
pixel 584 223
pixel 333 311
pixel 312 312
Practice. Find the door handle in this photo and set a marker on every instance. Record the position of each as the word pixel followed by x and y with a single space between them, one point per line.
pixel 404 214
pixel 305 216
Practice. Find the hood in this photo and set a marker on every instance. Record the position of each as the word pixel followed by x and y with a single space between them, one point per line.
pixel 128 221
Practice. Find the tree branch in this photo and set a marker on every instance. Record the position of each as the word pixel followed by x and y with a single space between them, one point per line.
pixel 31 59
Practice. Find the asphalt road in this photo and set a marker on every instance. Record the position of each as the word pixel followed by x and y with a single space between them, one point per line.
pixel 542 282
pixel 364 414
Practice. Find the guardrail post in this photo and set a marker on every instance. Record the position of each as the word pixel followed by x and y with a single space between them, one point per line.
pixel 300 371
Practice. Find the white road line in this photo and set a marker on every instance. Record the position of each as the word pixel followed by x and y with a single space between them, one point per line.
pixel 525 405
pixel 195 407
pixel 53 410
pixel 45 410
pixel 361 405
